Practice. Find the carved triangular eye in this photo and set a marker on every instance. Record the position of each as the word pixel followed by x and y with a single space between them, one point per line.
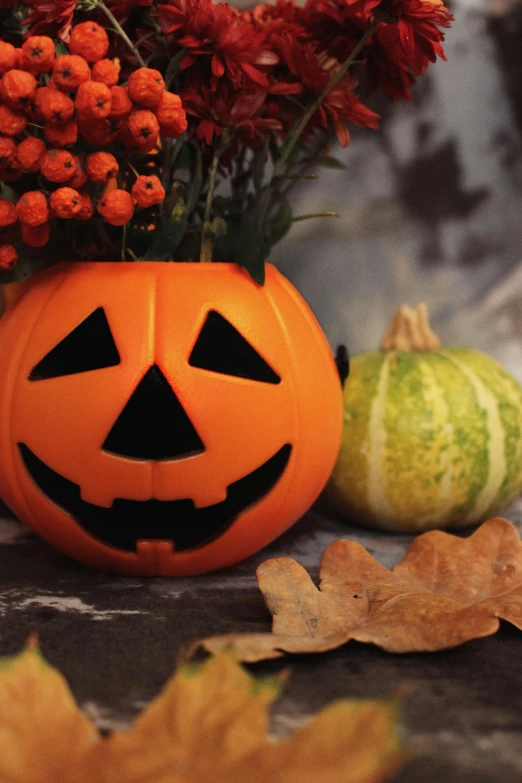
pixel 221 348
pixel 90 346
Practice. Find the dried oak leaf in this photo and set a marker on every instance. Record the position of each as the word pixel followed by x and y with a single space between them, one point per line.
pixel 447 591
pixel 209 723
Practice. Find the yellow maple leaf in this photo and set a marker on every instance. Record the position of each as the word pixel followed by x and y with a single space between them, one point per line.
pixel 43 734
pixel 210 723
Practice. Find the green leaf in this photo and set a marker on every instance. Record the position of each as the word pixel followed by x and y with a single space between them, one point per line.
pixel 176 152
pixel 173 67
pixel 60 48
pixel 244 246
pixel 281 220
pixel 169 238
pixel 194 186
pixel 258 165
pixel 179 211
pixel 9 194
pixel 275 151
pixel 329 162
pixel 186 157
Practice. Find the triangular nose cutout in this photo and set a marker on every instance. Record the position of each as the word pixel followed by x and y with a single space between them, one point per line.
pixel 153 425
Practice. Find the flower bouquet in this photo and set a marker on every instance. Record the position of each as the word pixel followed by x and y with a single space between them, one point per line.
pixel 142 129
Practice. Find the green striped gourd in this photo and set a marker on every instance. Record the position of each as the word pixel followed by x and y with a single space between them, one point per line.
pixel 432 435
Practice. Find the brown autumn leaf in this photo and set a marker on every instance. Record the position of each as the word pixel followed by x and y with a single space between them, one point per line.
pixel 447 591
pixel 210 722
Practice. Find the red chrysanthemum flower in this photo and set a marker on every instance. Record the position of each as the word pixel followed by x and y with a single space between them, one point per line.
pixel 336 26
pixel 226 38
pixel 225 109
pixel 122 9
pixel 416 37
pixel 176 15
pixel 284 17
pixel 410 35
pixel 50 17
pixel 308 73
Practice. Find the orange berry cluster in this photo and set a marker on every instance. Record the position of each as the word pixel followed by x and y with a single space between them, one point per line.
pixel 47 103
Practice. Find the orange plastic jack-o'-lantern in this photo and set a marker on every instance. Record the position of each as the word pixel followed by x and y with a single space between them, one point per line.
pixel 164 419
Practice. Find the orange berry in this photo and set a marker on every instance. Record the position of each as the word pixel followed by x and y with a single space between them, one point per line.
pixel 8 256
pixel 29 153
pixel 35 236
pixel 101 166
pixel 11 122
pixel 121 105
pixel 89 40
pixel 61 134
pixel 38 53
pixel 93 101
pixel 174 131
pixel 8 216
pixel 148 191
pixel 143 126
pixel 57 165
pixel 145 149
pixel 87 209
pixel 146 86
pixel 135 148
pixel 7 56
pixel 18 88
pixel 54 105
pixel 7 151
pixel 99 133
pixel 116 207
pixel 79 177
pixel 32 208
pixel 171 115
pixel 106 71
pixel 70 71
pixel 66 203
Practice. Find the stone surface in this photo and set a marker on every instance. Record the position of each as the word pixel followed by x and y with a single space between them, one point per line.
pixel 116 640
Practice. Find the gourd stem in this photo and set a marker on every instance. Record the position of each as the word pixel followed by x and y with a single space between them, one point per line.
pixel 410 330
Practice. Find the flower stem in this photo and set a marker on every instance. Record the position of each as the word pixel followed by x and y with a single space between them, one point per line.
pixel 314 215
pixel 211 185
pixel 121 32
pixel 294 136
pixel 207 238
pixel 309 113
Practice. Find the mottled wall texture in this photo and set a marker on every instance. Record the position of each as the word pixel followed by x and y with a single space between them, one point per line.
pixel 431 205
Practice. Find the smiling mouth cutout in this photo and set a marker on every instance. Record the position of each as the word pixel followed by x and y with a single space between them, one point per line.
pixel 127 522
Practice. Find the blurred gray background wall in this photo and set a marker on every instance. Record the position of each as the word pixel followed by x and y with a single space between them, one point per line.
pixel 431 205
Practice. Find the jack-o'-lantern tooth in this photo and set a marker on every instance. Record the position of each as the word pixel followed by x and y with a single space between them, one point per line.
pixel 209 496
pixel 97 496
